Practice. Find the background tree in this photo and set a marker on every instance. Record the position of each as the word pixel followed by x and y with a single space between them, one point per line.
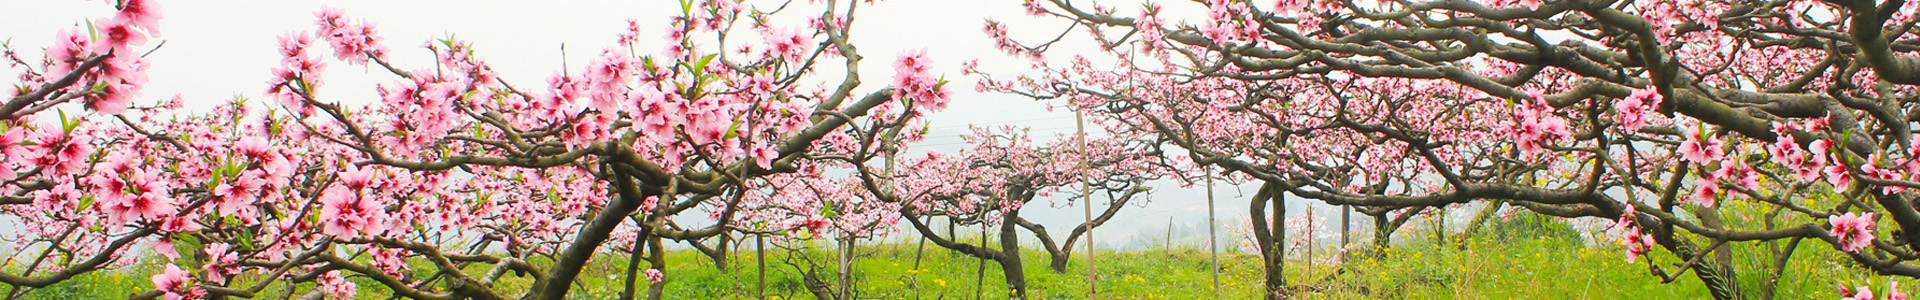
pixel 990 184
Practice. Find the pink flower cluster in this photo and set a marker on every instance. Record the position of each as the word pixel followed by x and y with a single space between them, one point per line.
pixel 786 43
pixel 1863 293
pixel 119 77
pixel 1702 148
pixel 345 213
pixel 298 72
pixel 353 42
pixel 131 193
pixel 177 284
pixel 1854 232
pixel 1634 111
pixel 334 284
pixel 1638 244
pixel 1536 125
pixel 654 275
pixel 913 79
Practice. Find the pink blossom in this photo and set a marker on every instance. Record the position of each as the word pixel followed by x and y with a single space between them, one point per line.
pixel 654 275
pixel 632 34
pixel 236 196
pixel 179 224
pixel 177 283
pixel 1705 192
pixel 1745 176
pixel 1626 217
pixel 144 206
pixel 71 48
pixel 117 37
pixel 763 155
pixel 912 61
pixel 1637 245
pixel 913 80
pixel 1537 125
pixel 251 146
pixel 297 67
pixel 343 214
pixel 1702 151
pixel 1853 232
pixel 1838 175
pixel 1635 110
pixel 172 279
pixel 1863 294
pixel 221 261
pixel 1893 291
pixel 390 261
pixel 1874 171
pixel 356 177
pixel 355 43
pixel 786 43
pixel 607 77
pixel 337 285
pixel 144 14
pixel 120 78
pixel 10 149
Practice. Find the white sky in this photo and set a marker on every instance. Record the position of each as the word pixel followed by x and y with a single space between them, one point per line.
pixel 216 49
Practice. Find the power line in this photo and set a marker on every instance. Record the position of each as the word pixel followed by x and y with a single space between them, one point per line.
pixel 999 122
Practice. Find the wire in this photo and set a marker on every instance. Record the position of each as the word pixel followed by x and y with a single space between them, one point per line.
pixel 1001 122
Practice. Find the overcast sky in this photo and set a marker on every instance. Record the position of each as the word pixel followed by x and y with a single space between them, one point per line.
pixel 216 50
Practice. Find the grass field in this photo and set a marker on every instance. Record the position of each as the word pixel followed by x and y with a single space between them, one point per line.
pixel 1514 268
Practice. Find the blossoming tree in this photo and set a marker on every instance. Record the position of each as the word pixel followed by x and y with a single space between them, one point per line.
pixel 1003 172
pixel 452 169
pixel 76 181
pixel 1657 114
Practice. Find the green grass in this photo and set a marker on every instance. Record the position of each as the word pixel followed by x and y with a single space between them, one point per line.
pixel 1518 267
pixel 887 272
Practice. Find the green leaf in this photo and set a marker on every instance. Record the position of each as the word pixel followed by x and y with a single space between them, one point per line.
pixel 733 130
pixel 185 239
pixel 67 124
pixel 828 211
pixel 92 34
pixel 86 202
pixel 246 240
pixel 702 65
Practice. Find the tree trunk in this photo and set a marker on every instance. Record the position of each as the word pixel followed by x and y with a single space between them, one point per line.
pixel 1010 264
pixel 1008 257
pixel 1384 227
pixel 1270 237
pixel 656 252
pixel 1478 222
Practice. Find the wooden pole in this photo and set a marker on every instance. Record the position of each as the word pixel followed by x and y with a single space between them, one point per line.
pixel 980 274
pixel 1167 245
pixel 1346 223
pixel 917 253
pixel 1213 240
pixel 1086 190
pixel 846 266
pixel 760 258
